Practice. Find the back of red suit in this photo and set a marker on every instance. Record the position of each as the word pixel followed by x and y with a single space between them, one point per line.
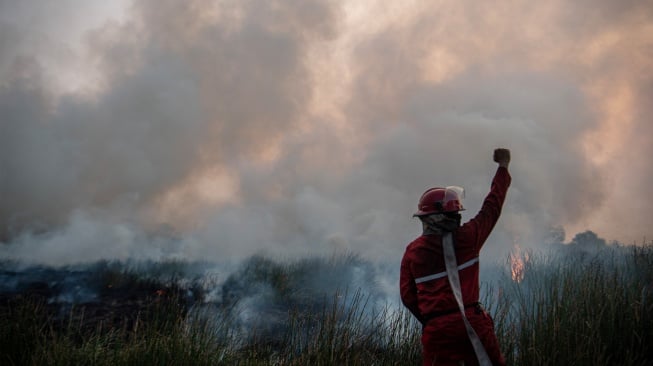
pixel 426 292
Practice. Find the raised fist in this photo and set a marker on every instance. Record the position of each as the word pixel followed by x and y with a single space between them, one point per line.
pixel 502 156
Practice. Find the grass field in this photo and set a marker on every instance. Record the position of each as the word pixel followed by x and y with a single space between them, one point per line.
pixel 567 309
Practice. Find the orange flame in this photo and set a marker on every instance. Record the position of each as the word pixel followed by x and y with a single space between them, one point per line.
pixel 518 261
pixel 160 292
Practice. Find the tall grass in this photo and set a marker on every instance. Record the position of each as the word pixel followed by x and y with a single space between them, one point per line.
pixel 580 309
pixel 338 335
pixel 574 310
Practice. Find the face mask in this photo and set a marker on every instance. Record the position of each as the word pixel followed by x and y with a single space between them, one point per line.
pixel 439 223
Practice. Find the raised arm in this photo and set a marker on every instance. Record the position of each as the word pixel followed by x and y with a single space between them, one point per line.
pixel 487 217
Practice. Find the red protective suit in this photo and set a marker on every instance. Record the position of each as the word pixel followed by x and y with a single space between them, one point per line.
pixel 425 289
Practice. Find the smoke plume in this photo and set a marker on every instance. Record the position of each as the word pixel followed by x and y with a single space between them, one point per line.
pixel 200 129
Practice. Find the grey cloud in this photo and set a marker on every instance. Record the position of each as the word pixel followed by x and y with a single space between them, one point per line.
pixel 188 89
pixel 137 140
pixel 173 102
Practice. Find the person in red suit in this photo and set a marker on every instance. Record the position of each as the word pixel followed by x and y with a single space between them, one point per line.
pixel 424 284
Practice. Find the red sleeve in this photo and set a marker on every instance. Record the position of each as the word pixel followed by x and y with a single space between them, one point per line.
pixel 487 217
pixel 408 288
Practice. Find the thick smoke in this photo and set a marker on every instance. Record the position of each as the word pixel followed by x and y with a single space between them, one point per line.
pixel 221 130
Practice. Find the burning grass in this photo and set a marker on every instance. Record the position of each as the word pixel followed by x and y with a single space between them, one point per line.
pixel 579 308
pixel 582 309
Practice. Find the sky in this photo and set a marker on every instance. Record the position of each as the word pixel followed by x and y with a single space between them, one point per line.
pixel 216 130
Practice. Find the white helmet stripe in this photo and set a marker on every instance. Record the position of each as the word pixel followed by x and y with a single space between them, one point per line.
pixel 469 263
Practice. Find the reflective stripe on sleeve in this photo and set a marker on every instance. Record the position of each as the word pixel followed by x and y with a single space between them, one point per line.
pixel 444 274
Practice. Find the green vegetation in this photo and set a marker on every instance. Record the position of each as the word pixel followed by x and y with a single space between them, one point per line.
pixel 577 309
pixel 581 308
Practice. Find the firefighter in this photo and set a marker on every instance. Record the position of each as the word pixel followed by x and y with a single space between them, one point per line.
pixel 424 283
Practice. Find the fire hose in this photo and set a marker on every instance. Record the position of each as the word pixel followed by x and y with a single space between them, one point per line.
pixel 454 282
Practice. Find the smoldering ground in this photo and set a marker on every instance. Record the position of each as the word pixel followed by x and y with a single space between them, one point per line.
pixel 294 128
pixel 259 300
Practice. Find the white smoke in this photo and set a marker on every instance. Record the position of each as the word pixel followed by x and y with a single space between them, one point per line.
pixel 308 127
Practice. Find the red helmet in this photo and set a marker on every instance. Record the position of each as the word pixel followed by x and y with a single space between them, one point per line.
pixel 440 200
